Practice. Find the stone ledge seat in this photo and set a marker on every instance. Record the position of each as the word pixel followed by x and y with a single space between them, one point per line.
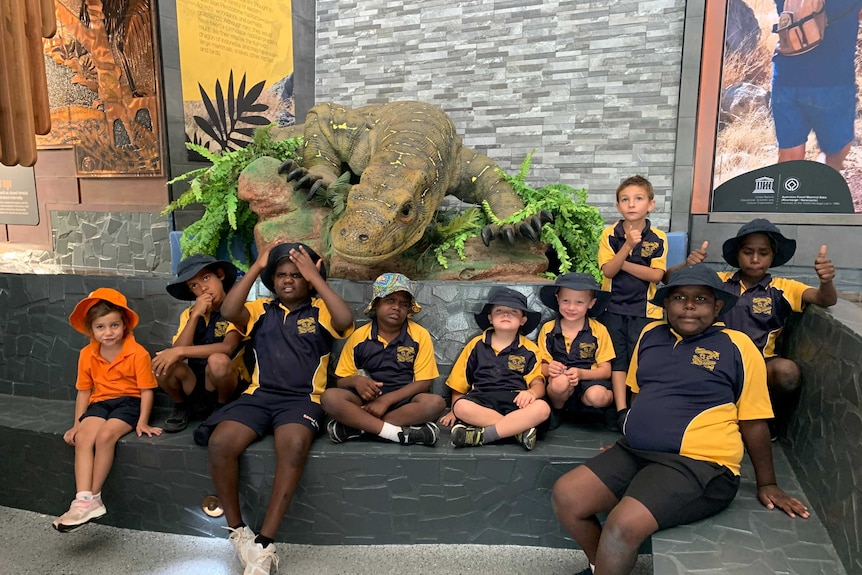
pixel 371 492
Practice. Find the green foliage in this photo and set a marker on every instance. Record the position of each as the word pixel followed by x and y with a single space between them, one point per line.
pixel 215 186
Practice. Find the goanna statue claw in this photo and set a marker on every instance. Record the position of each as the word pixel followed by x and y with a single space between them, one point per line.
pixel 317 187
pixel 287 166
pixel 487 235
pixel 296 174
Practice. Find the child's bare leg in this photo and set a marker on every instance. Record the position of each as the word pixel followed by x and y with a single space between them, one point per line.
pixel 628 526
pixel 523 419
pixel 228 441
pixel 782 376
pixel 576 498
pixel 422 408
pixel 221 376
pixel 85 452
pixel 106 442
pixel 597 396
pixel 345 406
pixel 618 384
pixel 292 442
pixel 178 382
pixel 475 414
pixel 559 391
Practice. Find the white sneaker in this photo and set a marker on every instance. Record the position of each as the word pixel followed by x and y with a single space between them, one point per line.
pixel 240 539
pixel 260 559
pixel 79 514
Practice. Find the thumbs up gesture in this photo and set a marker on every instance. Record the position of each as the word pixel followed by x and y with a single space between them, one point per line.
pixel 697 256
pixel 823 266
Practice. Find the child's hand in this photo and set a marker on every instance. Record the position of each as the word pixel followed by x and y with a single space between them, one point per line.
pixel 262 259
pixel 573 376
pixel 203 304
pixel 697 256
pixel 824 267
pixel 633 237
pixel 143 428
pixel 303 263
pixel 556 368
pixel 164 360
pixel 524 398
pixel 378 407
pixel 367 388
pixel 69 436
pixel 449 419
pixel 772 496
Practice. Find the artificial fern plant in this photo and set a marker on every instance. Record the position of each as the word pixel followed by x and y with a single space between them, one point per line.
pixel 215 187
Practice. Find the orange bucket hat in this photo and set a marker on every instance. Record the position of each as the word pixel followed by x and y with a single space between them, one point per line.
pixel 78 319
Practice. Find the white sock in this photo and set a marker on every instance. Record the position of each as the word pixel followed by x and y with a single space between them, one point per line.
pixel 390 432
pixel 84 495
pixel 592 568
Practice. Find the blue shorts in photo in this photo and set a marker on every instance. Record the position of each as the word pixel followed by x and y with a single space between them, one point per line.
pixel 127 409
pixel 829 111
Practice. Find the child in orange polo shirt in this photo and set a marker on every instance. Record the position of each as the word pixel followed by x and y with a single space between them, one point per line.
pixel 115 396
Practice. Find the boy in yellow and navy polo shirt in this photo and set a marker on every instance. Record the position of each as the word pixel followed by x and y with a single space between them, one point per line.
pixel 576 350
pixel 385 373
pixel 201 368
pixel 700 401
pixel 632 257
pixel 497 383
pixel 291 339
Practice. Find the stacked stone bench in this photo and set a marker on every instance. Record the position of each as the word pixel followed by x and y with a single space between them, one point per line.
pixel 368 492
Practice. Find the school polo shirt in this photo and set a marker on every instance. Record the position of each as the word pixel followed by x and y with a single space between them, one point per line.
pixel 407 358
pixel 482 368
pixel 591 346
pixel 129 373
pixel 692 392
pixel 291 348
pixel 631 295
pixel 209 329
pixel 762 309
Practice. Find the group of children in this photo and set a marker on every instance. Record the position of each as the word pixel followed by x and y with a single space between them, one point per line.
pixel 256 367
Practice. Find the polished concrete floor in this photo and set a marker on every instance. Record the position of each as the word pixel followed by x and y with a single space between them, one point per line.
pixel 32 547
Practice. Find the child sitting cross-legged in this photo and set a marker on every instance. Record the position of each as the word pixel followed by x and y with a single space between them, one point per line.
pixel 497 383
pixel 385 372
pixel 576 350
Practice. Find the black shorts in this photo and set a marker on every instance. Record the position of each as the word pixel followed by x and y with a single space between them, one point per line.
pixel 625 330
pixel 126 409
pixel 263 412
pixel 574 402
pixel 674 488
pixel 503 402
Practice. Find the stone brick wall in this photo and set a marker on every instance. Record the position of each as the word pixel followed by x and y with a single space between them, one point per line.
pixel 592 86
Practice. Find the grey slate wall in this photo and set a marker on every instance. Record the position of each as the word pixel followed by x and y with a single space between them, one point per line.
pixel 592 86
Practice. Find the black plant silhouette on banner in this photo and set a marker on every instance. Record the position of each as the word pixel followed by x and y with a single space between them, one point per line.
pixel 227 113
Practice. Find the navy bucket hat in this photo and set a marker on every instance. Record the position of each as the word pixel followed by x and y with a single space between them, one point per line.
pixel 783 247
pixel 509 298
pixel 696 275
pixel 280 253
pixel 191 266
pixel 578 282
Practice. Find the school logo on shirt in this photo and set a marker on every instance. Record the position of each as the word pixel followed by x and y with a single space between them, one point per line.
pixel 517 363
pixel 761 305
pixel 705 358
pixel 306 325
pixel 587 350
pixel 648 248
pixel 405 354
pixel 221 328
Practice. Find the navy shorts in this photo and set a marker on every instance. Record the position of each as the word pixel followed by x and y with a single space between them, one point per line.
pixel 126 409
pixel 827 110
pixel 264 412
pixel 574 402
pixel 674 488
pixel 503 402
pixel 625 330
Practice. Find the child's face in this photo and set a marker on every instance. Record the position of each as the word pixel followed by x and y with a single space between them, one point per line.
pixel 392 309
pixel 109 329
pixel 504 318
pixel 634 203
pixel 691 309
pixel 289 284
pixel 574 304
pixel 755 256
pixel 208 281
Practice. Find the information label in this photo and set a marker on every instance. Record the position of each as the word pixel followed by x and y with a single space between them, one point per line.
pixel 18 196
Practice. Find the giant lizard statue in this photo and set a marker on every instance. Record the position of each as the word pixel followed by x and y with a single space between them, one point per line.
pixel 407 157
